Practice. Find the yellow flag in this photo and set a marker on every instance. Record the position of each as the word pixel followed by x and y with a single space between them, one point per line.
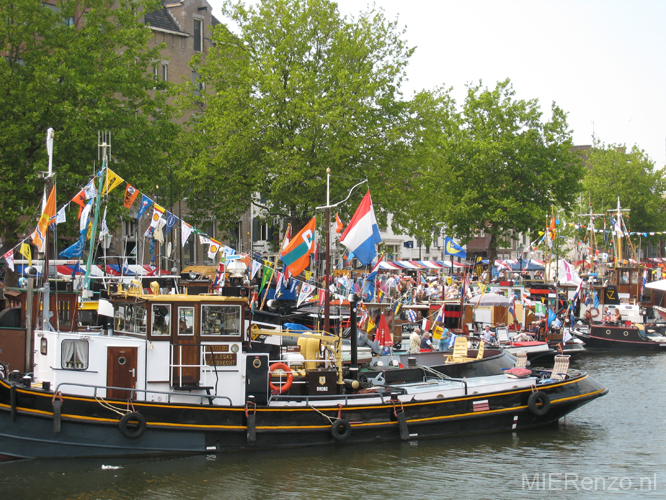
pixel 89 232
pixel 25 251
pixel 113 180
pixel 308 275
pixel 371 325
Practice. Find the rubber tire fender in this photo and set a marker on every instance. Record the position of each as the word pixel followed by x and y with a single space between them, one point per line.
pixel 341 430
pixel 132 433
pixel 536 398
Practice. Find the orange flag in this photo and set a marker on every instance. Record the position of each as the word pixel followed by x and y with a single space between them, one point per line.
pixel 340 225
pixel 47 218
pixel 130 195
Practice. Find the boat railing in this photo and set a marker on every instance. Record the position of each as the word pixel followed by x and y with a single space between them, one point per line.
pixel 207 373
pixel 133 392
pixel 346 398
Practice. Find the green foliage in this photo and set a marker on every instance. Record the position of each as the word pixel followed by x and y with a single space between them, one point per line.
pixel 297 91
pixel 632 176
pixel 82 68
pixel 509 166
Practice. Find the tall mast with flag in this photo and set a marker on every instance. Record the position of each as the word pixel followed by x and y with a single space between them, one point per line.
pixel 100 185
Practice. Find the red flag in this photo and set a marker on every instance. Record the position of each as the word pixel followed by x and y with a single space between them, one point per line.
pixel 383 335
pixel 340 225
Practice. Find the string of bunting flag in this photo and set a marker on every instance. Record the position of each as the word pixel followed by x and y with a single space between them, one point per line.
pixel 294 257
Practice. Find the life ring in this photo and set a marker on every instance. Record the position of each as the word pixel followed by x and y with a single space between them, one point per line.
pixel 594 312
pixel 539 398
pixel 341 430
pixel 290 377
pixel 136 431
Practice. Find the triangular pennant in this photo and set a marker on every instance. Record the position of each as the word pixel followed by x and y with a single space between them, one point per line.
pixel 112 181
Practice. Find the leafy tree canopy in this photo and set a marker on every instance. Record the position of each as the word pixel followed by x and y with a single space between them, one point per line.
pixel 508 166
pixel 81 67
pixel 297 90
pixel 632 176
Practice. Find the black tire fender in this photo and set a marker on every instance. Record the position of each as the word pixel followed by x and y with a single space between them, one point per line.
pixel 132 431
pixel 341 430
pixel 539 403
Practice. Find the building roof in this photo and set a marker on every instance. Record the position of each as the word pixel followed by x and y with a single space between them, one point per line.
pixel 163 20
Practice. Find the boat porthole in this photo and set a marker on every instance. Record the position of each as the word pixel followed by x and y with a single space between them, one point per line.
pixel 608 332
pixel 625 333
pixel 256 363
pixel 439 396
pixel 122 360
pixel 234 348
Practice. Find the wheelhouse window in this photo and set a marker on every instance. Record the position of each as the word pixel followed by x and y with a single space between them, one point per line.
pixel 624 277
pixel 75 354
pixel 130 318
pixel 220 320
pixel 186 321
pixel 160 319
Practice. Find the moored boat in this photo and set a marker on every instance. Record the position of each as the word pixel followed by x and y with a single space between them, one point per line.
pixel 175 376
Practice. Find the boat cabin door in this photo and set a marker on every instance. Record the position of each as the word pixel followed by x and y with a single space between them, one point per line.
pixel 186 351
pixel 121 371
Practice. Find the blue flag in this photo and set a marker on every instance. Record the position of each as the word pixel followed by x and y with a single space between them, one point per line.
pixel 171 220
pixel 145 205
pixel 451 248
pixel 368 291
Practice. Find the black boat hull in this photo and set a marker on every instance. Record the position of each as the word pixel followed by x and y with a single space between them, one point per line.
pixel 87 428
pixel 614 337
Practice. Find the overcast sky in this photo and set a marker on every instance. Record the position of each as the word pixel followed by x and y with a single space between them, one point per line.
pixel 601 61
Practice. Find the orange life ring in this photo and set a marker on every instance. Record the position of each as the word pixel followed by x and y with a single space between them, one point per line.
pixel 290 377
pixel 594 312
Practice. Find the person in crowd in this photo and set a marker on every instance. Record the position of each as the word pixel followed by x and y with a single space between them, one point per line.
pixel 426 342
pixel 487 336
pixel 415 341
pixel 444 340
pixel 617 316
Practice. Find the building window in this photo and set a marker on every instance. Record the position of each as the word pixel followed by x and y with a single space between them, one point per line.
pixel 197 35
pixel 165 74
pixel 75 354
pixel 198 86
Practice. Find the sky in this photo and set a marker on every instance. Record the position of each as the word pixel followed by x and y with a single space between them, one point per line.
pixel 601 61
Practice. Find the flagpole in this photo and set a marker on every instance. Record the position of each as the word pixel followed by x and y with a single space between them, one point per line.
pixel 327 272
pixel 277 257
pixel 86 283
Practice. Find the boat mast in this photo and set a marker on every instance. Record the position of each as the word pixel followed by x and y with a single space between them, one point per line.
pixel 87 293
pixel 327 272
pixel 593 240
pixel 46 313
pixel 618 230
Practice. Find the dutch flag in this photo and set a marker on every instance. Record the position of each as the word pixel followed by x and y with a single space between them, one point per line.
pixel 362 233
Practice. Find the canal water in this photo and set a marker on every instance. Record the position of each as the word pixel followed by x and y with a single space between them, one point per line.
pixel 613 446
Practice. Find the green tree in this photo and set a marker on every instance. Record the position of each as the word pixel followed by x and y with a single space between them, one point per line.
pixel 613 172
pixel 509 167
pixel 80 67
pixel 296 91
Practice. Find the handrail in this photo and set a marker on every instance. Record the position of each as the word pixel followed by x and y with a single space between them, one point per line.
pixel 146 391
